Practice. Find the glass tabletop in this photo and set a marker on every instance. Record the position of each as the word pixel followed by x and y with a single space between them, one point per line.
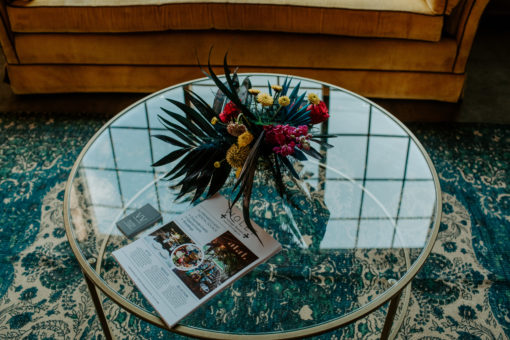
pixel 362 232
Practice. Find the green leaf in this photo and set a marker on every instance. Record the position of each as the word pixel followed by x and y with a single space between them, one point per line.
pixel 206 161
pixel 286 85
pixel 321 143
pixel 232 95
pixel 246 207
pixel 295 108
pixel 289 166
pixel 206 110
pixel 201 183
pixel 182 136
pixel 304 120
pixel 180 128
pixel 219 178
pixel 171 140
pixel 331 135
pixel 196 117
pixel 314 153
pixel 277 175
pixel 172 156
pixel 182 167
pixel 187 186
pixel 294 92
pixel 229 80
pixel 299 155
pixel 185 122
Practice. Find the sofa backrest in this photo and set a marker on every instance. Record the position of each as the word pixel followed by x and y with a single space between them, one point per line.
pixel 405 19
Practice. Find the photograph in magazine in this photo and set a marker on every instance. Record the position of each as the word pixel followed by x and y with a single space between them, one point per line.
pixel 202 270
pixel 168 238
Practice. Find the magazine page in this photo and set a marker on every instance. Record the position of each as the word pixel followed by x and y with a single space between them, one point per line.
pixel 187 261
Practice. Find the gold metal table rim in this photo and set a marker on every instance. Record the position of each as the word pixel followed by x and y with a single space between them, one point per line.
pixel 366 309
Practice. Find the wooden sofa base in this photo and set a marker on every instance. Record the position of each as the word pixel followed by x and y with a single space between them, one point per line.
pixel 110 78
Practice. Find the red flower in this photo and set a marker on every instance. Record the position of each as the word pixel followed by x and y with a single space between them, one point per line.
pixel 318 113
pixel 286 138
pixel 230 111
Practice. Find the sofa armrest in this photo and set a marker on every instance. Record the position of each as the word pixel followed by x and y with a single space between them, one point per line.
pixel 6 37
pixel 463 24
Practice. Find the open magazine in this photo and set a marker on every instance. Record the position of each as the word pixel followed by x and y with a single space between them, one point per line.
pixel 189 260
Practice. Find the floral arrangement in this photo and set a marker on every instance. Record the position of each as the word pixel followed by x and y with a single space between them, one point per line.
pixel 245 127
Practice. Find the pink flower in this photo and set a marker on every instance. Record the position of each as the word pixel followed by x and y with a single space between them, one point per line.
pixel 230 111
pixel 318 113
pixel 286 138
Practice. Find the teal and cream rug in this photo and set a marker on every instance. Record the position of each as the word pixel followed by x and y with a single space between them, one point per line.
pixel 463 292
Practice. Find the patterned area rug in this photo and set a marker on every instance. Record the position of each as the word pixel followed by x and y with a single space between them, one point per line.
pixel 463 291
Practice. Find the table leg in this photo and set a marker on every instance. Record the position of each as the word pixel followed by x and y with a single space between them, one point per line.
pixel 390 316
pixel 99 308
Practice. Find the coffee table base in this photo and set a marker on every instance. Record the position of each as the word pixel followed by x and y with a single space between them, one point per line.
pixel 99 308
pixel 385 335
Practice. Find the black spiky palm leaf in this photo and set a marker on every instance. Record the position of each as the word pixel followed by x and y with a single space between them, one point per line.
pixel 200 144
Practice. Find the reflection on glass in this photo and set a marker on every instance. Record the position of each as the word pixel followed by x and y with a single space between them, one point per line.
pixel 375 233
pixel 373 198
pixel 417 199
pixel 374 181
pixel 345 197
pixel 155 104
pixel 133 118
pixel 352 113
pixel 102 187
pixel 383 200
pixel 412 232
pixel 382 124
pixel 340 234
pixel 131 148
pixel 100 153
pixel 349 157
pixel 417 165
pixel 387 157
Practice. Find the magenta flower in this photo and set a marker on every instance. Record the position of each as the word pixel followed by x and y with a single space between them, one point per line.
pixel 286 138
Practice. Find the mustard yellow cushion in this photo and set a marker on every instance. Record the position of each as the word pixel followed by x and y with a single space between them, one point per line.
pixel 410 6
pixel 408 19
pixel 286 50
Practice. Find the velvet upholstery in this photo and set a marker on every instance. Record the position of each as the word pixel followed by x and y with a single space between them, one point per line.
pixel 328 52
pixel 412 6
pixel 142 46
pixel 99 78
pixel 225 16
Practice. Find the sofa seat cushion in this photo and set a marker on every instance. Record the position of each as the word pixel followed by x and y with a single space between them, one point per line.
pixel 158 48
pixel 407 19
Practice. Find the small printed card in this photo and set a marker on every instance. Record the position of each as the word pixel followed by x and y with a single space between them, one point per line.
pixel 187 261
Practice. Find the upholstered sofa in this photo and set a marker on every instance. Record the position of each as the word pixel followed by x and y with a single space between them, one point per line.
pixel 414 49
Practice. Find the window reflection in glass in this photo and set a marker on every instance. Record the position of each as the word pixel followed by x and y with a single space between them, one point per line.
pixel 376 183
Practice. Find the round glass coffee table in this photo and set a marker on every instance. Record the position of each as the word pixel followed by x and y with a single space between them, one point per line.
pixel 364 231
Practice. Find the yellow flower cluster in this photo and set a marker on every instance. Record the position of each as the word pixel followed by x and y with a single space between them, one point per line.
pixel 214 120
pixel 265 99
pixel 277 88
pixel 284 101
pixel 313 99
pixel 244 139
pixel 254 91
pixel 236 155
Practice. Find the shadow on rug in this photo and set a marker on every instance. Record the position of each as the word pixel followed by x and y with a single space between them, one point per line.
pixel 462 292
